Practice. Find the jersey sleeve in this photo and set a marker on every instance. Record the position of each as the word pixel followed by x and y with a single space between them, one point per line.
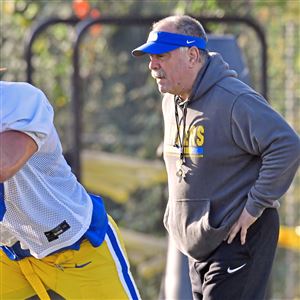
pixel 25 108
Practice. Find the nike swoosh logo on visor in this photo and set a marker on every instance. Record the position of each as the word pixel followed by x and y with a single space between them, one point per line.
pixel 189 42
pixel 230 271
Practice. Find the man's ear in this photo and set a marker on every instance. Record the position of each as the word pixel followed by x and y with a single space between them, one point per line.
pixel 194 55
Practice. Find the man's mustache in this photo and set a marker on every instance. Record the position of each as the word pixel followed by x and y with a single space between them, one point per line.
pixel 157 74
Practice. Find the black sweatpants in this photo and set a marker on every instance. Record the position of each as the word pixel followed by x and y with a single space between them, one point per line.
pixel 238 272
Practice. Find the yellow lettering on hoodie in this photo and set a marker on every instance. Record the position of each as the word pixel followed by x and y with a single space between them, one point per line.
pixel 200 135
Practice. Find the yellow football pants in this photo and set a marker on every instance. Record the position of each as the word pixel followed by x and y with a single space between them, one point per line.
pixel 90 273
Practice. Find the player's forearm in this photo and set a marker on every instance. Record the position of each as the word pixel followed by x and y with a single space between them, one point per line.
pixel 15 149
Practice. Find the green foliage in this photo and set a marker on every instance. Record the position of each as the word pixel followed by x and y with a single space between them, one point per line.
pixel 152 202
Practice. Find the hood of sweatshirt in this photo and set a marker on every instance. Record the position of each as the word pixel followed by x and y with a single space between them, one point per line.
pixel 213 71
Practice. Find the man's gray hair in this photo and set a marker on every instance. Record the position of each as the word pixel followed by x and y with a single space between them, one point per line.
pixel 185 25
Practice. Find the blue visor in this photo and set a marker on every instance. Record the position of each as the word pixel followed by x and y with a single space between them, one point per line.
pixel 161 42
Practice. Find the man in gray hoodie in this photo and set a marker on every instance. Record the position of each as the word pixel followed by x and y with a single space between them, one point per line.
pixel 229 158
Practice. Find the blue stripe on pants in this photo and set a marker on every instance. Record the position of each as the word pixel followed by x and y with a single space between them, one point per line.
pixel 123 263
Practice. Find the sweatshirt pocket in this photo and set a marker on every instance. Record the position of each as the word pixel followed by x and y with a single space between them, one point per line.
pixel 188 224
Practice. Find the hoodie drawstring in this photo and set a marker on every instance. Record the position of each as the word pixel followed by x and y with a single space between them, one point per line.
pixel 180 140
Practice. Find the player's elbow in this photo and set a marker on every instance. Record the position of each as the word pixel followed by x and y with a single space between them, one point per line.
pixel 5 174
pixel 8 171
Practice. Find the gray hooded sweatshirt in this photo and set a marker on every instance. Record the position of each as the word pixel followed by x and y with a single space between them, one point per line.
pixel 237 152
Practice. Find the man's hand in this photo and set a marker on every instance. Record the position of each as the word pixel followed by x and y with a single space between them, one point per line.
pixel 242 224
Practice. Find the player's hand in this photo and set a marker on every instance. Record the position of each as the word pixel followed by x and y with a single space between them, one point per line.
pixel 241 225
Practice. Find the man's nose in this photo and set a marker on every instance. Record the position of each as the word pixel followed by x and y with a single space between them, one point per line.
pixel 153 64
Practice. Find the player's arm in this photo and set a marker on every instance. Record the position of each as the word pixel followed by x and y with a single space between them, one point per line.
pixel 15 149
